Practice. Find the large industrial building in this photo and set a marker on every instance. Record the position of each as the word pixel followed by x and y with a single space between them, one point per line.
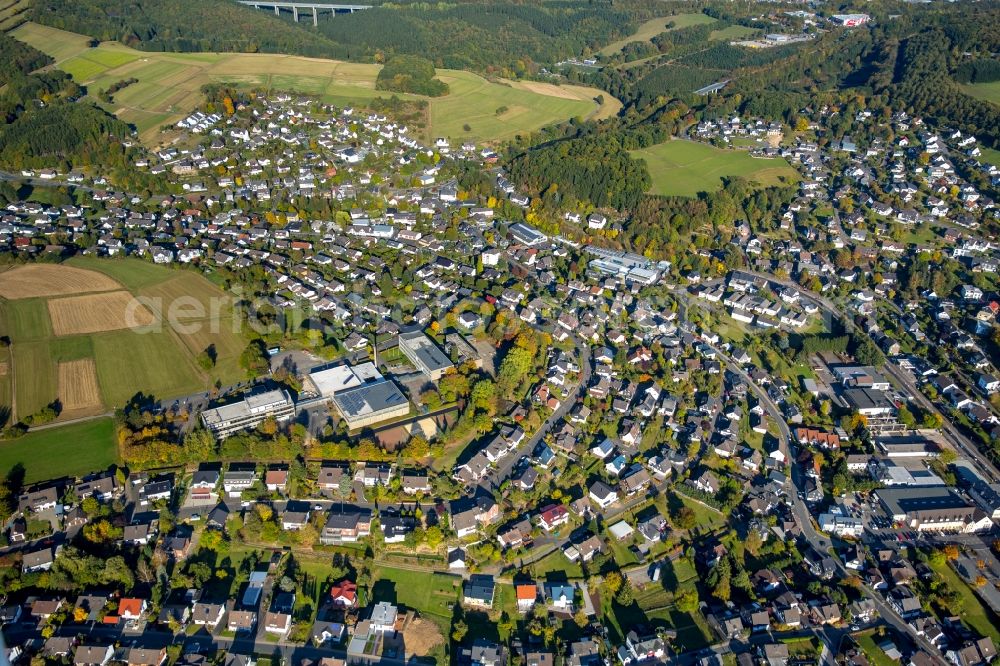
pixel 624 265
pixel 932 509
pixel 424 354
pixel 249 412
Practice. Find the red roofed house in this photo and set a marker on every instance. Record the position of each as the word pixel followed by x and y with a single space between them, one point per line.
pixel 131 608
pixel 553 516
pixel 276 479
pixel 344 593
pixel 825 440
pixel 526 596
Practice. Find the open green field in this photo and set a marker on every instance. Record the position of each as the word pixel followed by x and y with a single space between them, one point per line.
pixel 160 361
pixel 133 274
pixel 556 563
pixel 164 370
pixel 33 360
pixel 70 450
pixel 973 612
pixel 990 155
pixel 169 86
pixel 27 320
pixel 653 27
pixel 988 91
pixel 685 168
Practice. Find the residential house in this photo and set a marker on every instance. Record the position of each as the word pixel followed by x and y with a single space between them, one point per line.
pixel 478 591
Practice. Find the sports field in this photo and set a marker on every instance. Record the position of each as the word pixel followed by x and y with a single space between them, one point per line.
pixel 988 91
pixel 169 86
pixel 70 450
pixel 653 27
pixel 685 168
pixel 81 348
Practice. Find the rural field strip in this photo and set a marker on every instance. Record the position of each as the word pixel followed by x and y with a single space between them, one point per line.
pixel 169 85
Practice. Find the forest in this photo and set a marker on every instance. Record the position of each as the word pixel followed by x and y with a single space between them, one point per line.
pixel 909 61
pixel 981 70
pixel 596 169
pixel 18 58
pixel 183 25
pixel 922 83
pixel 410 74
pixel 510 39
pixel 487 37
pixel 56 134
pixel 47 123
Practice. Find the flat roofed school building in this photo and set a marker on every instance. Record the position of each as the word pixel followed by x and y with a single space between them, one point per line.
pixel 331 381
pixel 249 412
pixel 423 353
pixel 371 403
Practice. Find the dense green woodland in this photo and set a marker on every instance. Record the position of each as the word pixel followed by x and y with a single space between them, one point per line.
pixel 183 25
pixel 54 133
pixel 501 37
pixel 594 168
pixel 410 74
pixel 18 58
pixel 978 71
pixel 483 36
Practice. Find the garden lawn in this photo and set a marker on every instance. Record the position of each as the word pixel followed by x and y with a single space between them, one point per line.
pixel 651 608
pixel 426 592
pixel 556 562
pixel 990 155
pixel 866 641
pixel 705 516
pixel 70 450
